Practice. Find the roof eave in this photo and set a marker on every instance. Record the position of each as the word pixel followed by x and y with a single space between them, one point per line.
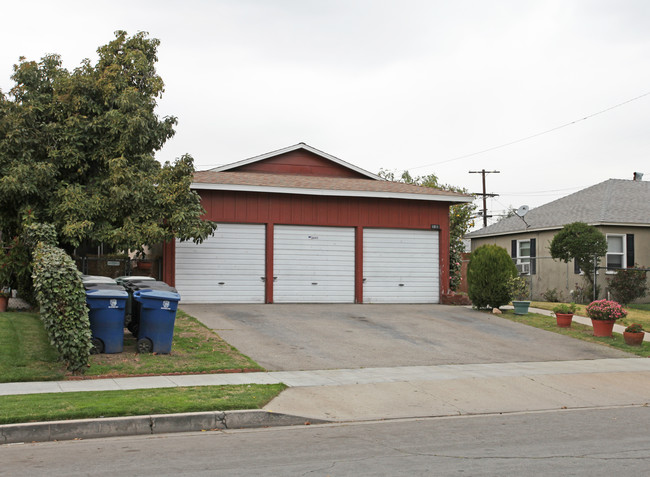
pixel 331 192
pixel 556 227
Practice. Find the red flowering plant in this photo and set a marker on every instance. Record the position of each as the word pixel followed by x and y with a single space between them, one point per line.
pixel 605 310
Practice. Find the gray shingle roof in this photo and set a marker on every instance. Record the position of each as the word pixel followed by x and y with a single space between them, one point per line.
pixel 615 201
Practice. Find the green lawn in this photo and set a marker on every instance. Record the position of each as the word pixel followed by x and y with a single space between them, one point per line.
pixel 578 331
pixel 26 355
pixel 25 352
pixel 636 313
pixel 137 402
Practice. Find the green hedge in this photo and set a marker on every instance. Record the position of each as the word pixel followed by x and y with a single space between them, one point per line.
pixel 62 299
pixel 489 273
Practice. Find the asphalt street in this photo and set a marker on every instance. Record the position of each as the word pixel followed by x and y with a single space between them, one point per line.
pixel 596 442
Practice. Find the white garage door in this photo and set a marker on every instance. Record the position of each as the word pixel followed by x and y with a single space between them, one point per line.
pixel 225 268
pixel 400 266
pixel 313 264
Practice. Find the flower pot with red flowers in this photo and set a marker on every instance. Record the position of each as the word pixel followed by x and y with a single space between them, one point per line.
pixel 633 335
pixel 603 314
pixel 564 314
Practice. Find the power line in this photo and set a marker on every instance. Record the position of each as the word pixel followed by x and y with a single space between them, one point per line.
pixel 532 135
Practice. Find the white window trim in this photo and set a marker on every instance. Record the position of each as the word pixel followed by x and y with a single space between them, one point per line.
pixel 520 258
pixel 624 254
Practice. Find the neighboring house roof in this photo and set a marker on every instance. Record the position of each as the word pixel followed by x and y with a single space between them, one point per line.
pixel 613 202
pixel 296 147
pixel 314 185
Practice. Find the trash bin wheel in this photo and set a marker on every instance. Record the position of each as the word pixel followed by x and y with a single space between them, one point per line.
pixel 97 346
pixel 145 345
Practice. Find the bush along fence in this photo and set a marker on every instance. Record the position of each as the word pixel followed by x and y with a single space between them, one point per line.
pixel 62 300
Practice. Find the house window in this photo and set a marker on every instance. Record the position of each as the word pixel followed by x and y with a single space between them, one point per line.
pixel 523 256
pixel 616 256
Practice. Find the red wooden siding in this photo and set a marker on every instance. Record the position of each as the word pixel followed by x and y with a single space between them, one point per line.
pixel 302 163
pixel 285 209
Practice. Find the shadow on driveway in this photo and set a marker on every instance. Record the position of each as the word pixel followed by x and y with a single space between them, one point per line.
pixel 317 336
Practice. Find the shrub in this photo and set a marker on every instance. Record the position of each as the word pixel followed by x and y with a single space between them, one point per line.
pixel 488 275
pixel 564 309
pixel 605 310
pixel 519 289
pixel 62 299
pixel 628 285
pixel 553 295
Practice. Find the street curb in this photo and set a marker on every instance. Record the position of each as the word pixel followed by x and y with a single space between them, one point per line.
pixel 146 425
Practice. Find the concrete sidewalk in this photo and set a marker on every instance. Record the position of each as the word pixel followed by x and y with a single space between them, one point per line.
pixel 315 397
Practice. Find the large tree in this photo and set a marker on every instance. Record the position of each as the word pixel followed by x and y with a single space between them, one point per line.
pixel 77 150
pixel 460 219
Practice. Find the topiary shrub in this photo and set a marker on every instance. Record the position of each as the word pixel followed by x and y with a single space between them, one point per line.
pixel 62 299
pixel 488 276
pixel 628 285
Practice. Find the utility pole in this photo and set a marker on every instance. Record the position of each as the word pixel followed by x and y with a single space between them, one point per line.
pixel 485 194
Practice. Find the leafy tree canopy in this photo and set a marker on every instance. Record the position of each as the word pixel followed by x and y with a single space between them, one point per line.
pixel 580 242
pixel 460 219
pixel 77 150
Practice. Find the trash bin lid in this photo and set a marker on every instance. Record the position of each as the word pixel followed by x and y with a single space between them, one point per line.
pixel 135 278
pixel 103 286
pixel 106 293
pixel 157 294
pixel 97 279
pixel 150 285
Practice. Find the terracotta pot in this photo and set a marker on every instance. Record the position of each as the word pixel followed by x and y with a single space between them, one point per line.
pixel 564 319
pixel 603 328
pixel 633 339
pixel 4 300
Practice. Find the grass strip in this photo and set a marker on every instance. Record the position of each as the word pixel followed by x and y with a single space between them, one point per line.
pixel 195 349
pixel 26 354
pixel 25 351
pixel 577 330
pixel 97 404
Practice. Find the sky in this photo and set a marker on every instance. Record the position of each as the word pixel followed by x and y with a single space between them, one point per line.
pixel 555 95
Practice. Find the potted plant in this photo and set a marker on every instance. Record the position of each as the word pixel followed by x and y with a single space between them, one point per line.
pixel 633 335
pixel 520 293
pixel 564 314
pixel 603 314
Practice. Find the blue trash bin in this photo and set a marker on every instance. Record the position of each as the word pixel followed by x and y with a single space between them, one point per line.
pixel 106 313
pixel 157 318
pixel 133 306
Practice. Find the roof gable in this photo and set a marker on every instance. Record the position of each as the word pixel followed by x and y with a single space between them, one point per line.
pixel 613 202
pixel 299 159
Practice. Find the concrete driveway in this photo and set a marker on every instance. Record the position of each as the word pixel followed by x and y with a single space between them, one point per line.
pixel 309 337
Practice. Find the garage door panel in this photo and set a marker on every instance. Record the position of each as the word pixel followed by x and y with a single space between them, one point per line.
pixel 400 266
pixel 313 264
pixel 225 268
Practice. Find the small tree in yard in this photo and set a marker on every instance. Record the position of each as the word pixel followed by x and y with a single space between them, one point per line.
pixel 582 243
pixel 489 275
pixel 628 285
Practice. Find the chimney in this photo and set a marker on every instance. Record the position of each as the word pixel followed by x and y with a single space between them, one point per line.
pixel 638 176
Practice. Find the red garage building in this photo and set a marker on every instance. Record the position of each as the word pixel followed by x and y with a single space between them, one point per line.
pixel 301 226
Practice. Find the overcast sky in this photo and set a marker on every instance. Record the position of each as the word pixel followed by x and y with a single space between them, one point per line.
pixel 417 84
